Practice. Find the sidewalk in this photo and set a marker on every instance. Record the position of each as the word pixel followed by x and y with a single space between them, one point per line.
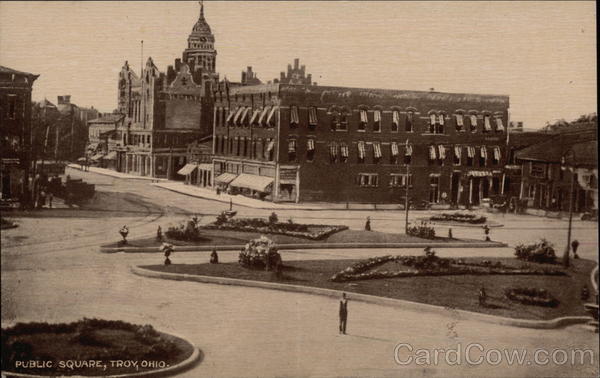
pixel 112 173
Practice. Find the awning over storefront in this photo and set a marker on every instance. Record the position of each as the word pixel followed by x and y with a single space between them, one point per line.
pixel 187 169
pixel 97 157
pixel 205 167
pixel 112 155
pixel 254 182
pixel 480 174
pixel 226 178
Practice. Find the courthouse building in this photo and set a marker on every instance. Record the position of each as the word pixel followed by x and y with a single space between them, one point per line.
pixel 302 142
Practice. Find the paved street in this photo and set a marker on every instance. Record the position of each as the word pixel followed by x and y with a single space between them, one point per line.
pixel 52 271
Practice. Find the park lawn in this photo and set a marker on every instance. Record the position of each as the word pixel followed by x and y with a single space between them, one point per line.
pixel 227 237
pixel 458 291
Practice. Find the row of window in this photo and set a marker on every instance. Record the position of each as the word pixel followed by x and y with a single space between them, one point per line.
pixel 396 180
pixel 246 147
pixel 245 116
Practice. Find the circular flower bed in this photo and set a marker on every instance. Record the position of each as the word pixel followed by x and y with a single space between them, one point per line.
pixel 259 253
pixel 89 347
pixel 531 296
pixel 540 252
pixel 459 217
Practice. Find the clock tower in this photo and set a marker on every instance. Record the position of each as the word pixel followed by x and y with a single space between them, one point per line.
pixel 201 53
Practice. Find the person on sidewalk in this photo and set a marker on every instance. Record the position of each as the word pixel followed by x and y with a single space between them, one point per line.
pixel 368 224
pixel 486 231
pixel 343 313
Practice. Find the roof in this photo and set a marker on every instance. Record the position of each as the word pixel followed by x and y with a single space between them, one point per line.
pixel 109 118
pixel 583 154
pixel 7 70
pixel 47 104
pixel 552 150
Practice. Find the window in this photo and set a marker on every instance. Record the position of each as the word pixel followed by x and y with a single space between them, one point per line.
pixel 497 156
pixel 470 156
pixel 245 150
pixel 499 125
pixel 409 122
pixel 394 153
pixel 368 180
pixel 343 124
pixel 432 122
pixel 223 143
pixel 487 127
pixel 459 122
pixel 395 121
pixel 537 170
pixel 361 152
pixel 432 154
pixel 483 156
pixel 400 180
pixel 12 106
pixel 292 150
pixel 473 121
pixel 363 121
pixel 310 150
pixel 294 119
pixel 441 153
pixel 344 152
pixel 440 125
pixel 376 152
pixel 377 121
pixel 312 117
pixel 457 155
pixel 434 188
pixel 335 120
pixel 408 151
pixel 237 146
pixel 333 152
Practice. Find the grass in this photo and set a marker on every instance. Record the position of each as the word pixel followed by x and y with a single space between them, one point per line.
pixel 109 344
pixel 460 292
pixel 227 237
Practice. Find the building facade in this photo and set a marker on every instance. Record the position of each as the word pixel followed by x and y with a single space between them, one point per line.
pixel 294 142
pixel 15 132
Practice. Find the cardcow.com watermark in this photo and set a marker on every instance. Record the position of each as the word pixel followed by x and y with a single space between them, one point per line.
pixel 477 354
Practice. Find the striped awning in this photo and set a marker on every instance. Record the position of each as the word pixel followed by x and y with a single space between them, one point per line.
pixel 394 148
pixel 344 150
pixel 112 155
pixel 226 178
pixel 294 115
pixel 486 123
pixel 363 116
pixel 271 114
pixel 459 120
pixel 441 152
pixel 312 116
pixel 361 150
pixel 187 169
pixel 396 118
pixel 432 154
pixel 479 174
pixel 255 117
pixel 230 116
pixel 310 145
pixel 238 113
pixel 377 150
pixel 408 150
pixel 377 116
pixel 441 119
pixel 254 182
pixel 333 148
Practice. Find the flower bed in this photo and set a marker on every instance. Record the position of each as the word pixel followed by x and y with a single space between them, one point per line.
pixel 259 254
pixel 531 296
pixel 89 345
pixel 459 217
pixel 186 231
pixel 309 231
pixel 422 230
pixel 430 265
pixel 540 252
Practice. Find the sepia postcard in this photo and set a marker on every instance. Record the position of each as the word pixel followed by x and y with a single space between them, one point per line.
pixel 299 188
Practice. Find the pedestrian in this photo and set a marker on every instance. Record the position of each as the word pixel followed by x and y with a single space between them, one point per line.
pixel 343 313
pixel 482 296
pixel 368 224
pixel 214 258
pixel 124 231
pixel 159 235
pixel 50 198
pixel 486 231
pixel 575 245
pixel 450 236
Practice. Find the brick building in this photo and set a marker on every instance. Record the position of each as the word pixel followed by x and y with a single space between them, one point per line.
pixel 15 133
pixel 295 142
pixel 164 112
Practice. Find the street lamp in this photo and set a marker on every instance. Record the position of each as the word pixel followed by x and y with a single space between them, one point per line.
pixel 568 246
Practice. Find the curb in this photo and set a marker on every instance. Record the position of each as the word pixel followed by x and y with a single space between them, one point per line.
pixel 127 177
pixel 458 224
pixel 237 247
pixel 372 299
pixel 195 358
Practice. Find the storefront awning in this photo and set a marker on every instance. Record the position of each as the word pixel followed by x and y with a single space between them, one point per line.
pixel 81 160
pixel 112 155
pixel 97 157
pixel 226 178
pixel 205 167
pixel 187 169
pixel 480 174
pixel 254 182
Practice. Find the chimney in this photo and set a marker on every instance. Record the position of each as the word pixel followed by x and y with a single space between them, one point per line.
pixel 177 64
pixel 296 63
pixel 243 77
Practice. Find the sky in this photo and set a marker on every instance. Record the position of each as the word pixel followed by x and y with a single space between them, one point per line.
pixel 541 54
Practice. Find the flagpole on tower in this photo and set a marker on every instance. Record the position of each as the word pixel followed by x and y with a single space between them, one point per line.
pixel 142 58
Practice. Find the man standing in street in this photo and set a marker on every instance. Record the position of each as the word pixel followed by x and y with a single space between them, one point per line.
pixel 343 313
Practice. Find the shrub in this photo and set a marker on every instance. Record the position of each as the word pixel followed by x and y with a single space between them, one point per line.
pixel 459 217
pixel 540 252
pixel 531 296
pixel 422 230
pixel 273 218
pixel 259 254
pixel 188 231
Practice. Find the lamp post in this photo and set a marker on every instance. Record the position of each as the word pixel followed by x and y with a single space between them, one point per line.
pixel 406 204
pixel 568 246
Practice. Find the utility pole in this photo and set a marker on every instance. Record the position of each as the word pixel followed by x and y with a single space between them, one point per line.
pixel 406 204
pixel 572 189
